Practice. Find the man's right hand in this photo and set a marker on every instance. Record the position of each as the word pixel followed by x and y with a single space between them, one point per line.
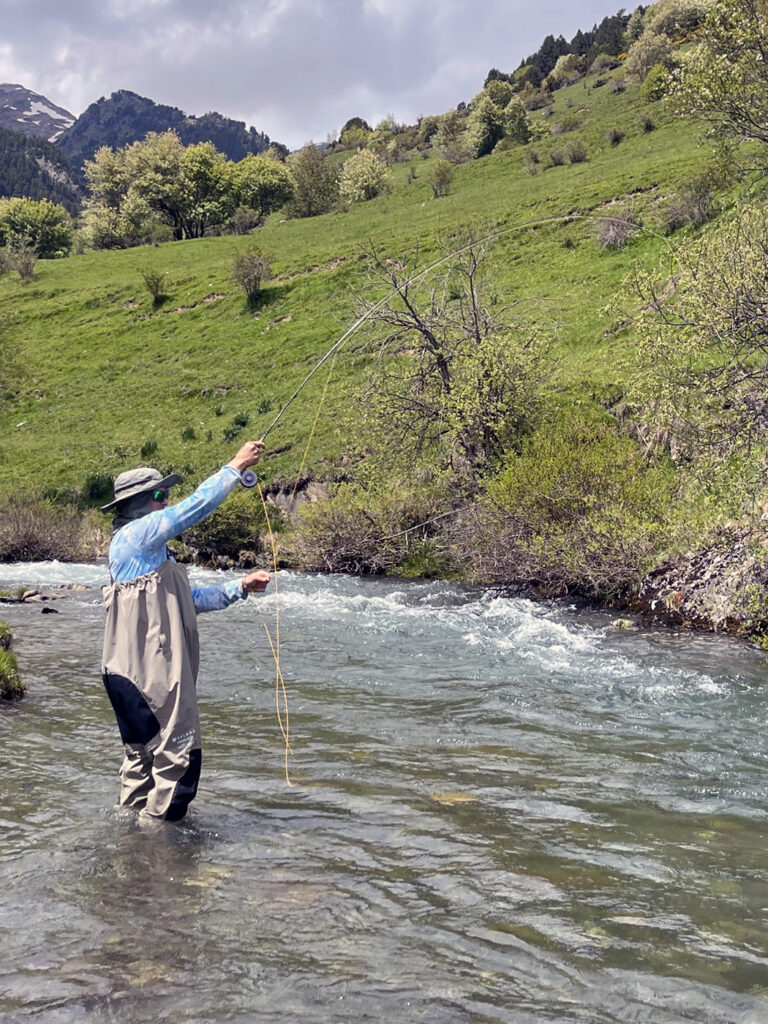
pixel 248 455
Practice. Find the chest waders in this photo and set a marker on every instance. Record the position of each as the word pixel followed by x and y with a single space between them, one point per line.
pixel 150 663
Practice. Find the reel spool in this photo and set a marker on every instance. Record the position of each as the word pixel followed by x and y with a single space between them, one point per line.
pixel 248 478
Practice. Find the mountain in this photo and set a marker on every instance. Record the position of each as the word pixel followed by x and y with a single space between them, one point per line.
pixel 126 117
pixel 35 168
pixel 22 110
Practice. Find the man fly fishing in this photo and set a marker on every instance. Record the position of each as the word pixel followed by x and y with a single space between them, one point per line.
pixel 151 649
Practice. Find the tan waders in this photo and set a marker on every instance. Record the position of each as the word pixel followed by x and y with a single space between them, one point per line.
pixel 151 657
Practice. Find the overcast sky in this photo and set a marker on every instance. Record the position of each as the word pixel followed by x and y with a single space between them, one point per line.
pixel 295 69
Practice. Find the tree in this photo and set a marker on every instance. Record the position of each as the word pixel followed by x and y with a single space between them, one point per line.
pixel 461 378
pixel 363 177
pixel 262 184
pixel 635 27
pixel 725 79
pixel 187 188
pixel 316 183
pixel 485 127
pixel 450 137
pixel 355 132
pixel 676 17
pixel 500 92
pixel 277 151
pixel 649 50
pixel 567 69
pixel 37 225
pixel 517 125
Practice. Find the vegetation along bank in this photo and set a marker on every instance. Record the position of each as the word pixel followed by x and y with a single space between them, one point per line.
pixel 559 384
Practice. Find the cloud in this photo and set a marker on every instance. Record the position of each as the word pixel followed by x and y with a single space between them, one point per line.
pixel 296 69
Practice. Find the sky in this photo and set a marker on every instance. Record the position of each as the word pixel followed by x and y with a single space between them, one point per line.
pixel 295 69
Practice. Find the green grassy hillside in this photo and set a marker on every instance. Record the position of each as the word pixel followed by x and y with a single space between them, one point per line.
pixel 94 373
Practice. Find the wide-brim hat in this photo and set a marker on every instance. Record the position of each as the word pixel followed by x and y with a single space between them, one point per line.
pixel 137 481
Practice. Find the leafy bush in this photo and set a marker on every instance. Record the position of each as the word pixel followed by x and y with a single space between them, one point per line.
pixel 557 157
pixel 440 176
pixel 702 380
pixel 156 281
pixel 656 85
pixel 578 511
pixel 249 270
pixel 234 527
pixel 363 177
pixel 40 225
pixel 615 136
pixel 98 487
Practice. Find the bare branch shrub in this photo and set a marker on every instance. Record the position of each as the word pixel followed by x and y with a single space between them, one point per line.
pixel 615 231
pixel 32 529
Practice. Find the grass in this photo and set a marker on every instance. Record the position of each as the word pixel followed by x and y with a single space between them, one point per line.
pixel 95 368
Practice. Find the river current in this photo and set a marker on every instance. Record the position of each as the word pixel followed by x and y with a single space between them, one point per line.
pixel 501 812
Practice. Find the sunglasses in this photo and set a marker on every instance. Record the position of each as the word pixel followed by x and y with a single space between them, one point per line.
pixel 159 495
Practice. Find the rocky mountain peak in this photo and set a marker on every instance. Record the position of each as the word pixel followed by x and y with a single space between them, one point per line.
pixel 22 110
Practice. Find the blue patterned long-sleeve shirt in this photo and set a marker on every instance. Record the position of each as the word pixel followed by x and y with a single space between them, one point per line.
pixel 140 546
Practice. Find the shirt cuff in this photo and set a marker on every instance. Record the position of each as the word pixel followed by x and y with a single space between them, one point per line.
pixel 237 472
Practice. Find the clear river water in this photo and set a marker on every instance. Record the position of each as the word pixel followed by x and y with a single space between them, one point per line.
pixel 502 812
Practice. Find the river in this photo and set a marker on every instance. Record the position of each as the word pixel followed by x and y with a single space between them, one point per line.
pixel 502 812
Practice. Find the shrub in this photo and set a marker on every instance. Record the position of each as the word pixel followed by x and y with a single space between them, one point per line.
pixel 33 529
pixel 156 281
pixel 576 153
pixel 40 224
pixel 11 686
pixel 646 123
pixel 360 532
pixel 557 157
pixel 440 176
pixel 615 231
pixel 577 511
pixel 249 270
pixel 239 423
pixel 234 527
pixel 692 205
pixel 531 162
pixel 615 136
pixel 188 434
pixel 98 486
pixel 617 85
pixel 656 85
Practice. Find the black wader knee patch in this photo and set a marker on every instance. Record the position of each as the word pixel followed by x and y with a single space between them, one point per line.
pixel 135 718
